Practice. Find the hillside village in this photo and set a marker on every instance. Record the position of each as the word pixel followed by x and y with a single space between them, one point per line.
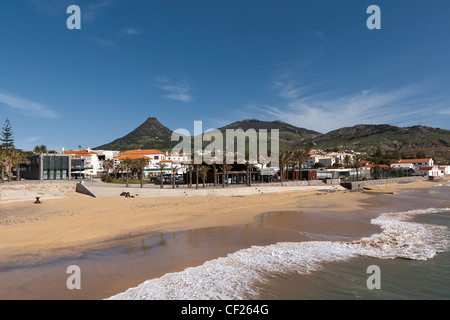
pixel 155 164
pixel 313 164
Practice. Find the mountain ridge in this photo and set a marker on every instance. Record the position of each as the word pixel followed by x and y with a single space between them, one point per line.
pixel 362 137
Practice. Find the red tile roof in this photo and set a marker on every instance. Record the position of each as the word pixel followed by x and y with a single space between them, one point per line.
pixel 83 152
pixel 148 151
pixel 374 165
pixel 414 160
pixel 425 168
pixel 131 156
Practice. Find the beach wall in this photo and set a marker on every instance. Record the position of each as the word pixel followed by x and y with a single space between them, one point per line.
pixel 304 183
pixel 82 189
pixel 29 190
pixel 359 185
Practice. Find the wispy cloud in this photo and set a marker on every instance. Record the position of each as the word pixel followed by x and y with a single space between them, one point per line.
pixel 103 42
pixel 327 111
pixel 49 6
pixel 130 31
pixel 31 140
pixel 444 112
pixel 94 10
pixel 174 92
pixel 27 107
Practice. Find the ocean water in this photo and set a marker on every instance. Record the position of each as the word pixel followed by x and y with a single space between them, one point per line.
pixel 411 251
pixel 401 279
pixel 277 257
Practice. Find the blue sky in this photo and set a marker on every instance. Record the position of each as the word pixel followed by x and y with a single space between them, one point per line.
pixel 313 64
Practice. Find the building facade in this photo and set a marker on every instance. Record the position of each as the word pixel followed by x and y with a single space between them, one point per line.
pixel 48 167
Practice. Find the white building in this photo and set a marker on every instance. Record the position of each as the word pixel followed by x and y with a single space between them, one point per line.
pixel 325 160
pixel 445 170
pixel 156 158
pixel 107 155
pixel 402 166
pixel 91 161
pixel 425 162
pixel 430 171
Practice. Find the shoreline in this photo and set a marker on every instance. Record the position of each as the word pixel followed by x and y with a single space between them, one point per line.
pixel 79 223
pixel 126 262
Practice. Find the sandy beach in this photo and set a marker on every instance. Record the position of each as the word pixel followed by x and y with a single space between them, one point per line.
pixel 77 223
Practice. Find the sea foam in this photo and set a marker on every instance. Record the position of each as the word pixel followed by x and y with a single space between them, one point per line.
pixel 239 274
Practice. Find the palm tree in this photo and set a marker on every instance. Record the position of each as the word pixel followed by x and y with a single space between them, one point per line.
pixel 285 158
pixel 12 156
pixel 19 158
pixel 40 149
pixel 215 173
pixel 128 162
pixel 142 163
pixel 196 175
pixel 357 158
pixel 108 165
pixel 300 156
pixel 204 172
pixel 190 166
pixel 225 168
pixel 3 164
pixel 162 166
pixel 120 168
pixel 174 169
pixel 248 172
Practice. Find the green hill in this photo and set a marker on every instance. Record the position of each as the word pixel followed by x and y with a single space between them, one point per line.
pixel 387 137
pixel 149 135
pixel 433 142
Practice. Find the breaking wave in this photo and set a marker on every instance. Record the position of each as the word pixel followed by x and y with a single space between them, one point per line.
pixel 238 275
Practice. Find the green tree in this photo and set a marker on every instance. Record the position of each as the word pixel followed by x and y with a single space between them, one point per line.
pixel 19 158
pixel 141 164
pixel 128 162
pixel 300 156
pixel 6 136
pixel 421 154
pixel 357 158
pixel 174 171
pixel 285 159
pixel 3 164
pixel 40 149
pixel 196 175
pixel 108 165
pixel 162 166
pixel 204 172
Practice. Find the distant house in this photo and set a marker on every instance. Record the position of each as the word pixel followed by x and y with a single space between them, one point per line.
pixel 430 171
pixel 425 162
pixel 153 154
pixel 156 158
pixel 325 160
pixel 402 166
pixel 371 166
pixel 104 155
pixel 90 158
pixel 445 170
pixel 364 163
